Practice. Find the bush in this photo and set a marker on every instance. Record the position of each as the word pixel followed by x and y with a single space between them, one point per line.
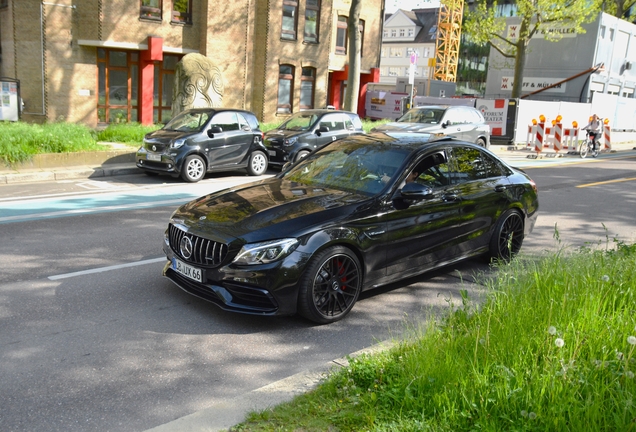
pixel 129 133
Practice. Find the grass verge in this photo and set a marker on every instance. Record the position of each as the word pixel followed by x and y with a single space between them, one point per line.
pixel 552 349
pixel 20 141
pixel 126 133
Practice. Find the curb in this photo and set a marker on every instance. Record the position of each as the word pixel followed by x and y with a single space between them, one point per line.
pixel 60 173
pixel 223 415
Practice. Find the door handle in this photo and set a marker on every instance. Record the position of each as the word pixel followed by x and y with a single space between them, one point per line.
pixel 500 188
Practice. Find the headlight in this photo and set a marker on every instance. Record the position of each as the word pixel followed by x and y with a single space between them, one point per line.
pixel 266 252
pixel 291 141
pixel 177 143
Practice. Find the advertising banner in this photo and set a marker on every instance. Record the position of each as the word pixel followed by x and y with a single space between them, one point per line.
pixel 495 111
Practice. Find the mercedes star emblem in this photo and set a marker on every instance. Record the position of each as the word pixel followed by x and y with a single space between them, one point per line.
pixel 154 148
pixel 185 247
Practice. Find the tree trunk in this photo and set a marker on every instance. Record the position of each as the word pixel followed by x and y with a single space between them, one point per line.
pixel 355 46
pixel 520 59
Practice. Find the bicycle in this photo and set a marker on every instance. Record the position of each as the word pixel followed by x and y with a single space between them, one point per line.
pixel 588 146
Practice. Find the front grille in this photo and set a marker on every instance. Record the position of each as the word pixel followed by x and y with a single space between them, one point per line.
pixel 154 164
pixel 251 297
pixel 204 252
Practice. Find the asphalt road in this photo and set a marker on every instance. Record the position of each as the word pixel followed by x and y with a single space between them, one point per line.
pixel 92 338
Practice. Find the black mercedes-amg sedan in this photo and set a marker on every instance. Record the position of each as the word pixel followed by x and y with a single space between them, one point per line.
pixel 359 213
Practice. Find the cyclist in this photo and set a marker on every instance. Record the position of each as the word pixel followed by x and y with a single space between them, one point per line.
pixel 593 129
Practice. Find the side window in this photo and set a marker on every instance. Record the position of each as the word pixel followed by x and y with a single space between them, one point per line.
pixel 434 171
pixel 473 164
pixel 312 20
pixel 226 120
pixel 243 124
pixel 348 124
pixel 151 9
pixel 334 122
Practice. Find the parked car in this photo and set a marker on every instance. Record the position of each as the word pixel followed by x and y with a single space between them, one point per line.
pixel 306 131
pixel 462 122
pixel 198 141
pixel 345 219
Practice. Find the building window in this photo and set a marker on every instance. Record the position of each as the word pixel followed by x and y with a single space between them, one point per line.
pixel 402 33
pixel 285 88
pixel 385 34
pixel 341 35
pixel 411 32
pixel 393 33
pixel 182 11
pixel 307 85
pixel 312 20
pixel 151 9
pixel 163 88
pixel 117 84
pixel 4 4
pixel 394 71
pixel 290 19
pixel 396 52
pixel 361 29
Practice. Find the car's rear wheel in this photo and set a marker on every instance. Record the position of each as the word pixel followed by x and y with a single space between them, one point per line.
pixel 193 169
pixel 508 236
pixel 257 164
pixel 330 286
pixel 481 142
pixel 301 154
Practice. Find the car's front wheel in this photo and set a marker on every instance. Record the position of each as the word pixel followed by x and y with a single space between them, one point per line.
pixel 481 142
pixel 193 169
pixel 301 154
pixel 507 237
pixel 257 164
pixel 330 286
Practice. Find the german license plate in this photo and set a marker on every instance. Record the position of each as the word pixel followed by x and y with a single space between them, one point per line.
pixel 271 152
pixel 153 157
pixel 187 270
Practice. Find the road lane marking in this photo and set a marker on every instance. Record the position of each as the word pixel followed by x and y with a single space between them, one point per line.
pixel 607 182
pixel 109 268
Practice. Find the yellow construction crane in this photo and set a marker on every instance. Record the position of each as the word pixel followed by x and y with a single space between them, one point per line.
pixel 449 31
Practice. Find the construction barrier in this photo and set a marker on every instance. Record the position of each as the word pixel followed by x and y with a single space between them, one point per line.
pixel 539 137
pixel 571 139
pixel 607 142
pixel 558 136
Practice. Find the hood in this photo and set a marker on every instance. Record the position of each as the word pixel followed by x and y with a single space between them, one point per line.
pixel 409 127
pixel 280 135
pixel 165 136
pixel 270 209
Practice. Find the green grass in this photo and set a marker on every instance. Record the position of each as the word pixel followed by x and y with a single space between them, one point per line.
pixel 551 349
pixel 20 141
pixel 126 133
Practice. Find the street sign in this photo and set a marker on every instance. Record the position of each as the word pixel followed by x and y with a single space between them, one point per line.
pixel 413 58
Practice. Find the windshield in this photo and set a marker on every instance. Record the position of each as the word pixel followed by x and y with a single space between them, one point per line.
pixel 299 122
pixel 353 166
pixel 423 115
pixel 188 121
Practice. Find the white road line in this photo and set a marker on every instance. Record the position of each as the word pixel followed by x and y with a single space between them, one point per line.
pixel 109 268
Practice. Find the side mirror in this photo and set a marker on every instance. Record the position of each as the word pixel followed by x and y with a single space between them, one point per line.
pixel 446 124
pixel 416 191
pixel 213 130
pixel 323 129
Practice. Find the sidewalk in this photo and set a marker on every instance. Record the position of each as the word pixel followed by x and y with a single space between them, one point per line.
pixel 121 161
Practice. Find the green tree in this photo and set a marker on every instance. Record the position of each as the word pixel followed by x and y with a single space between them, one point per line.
pixel 618 8
pixel 355 46
pixel 483 26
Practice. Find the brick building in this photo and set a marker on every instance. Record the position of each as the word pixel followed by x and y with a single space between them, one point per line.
pixel 101 61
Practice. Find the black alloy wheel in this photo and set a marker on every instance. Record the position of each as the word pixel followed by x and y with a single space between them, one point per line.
pixel 193 169
pixel 508 236
pixel 330 286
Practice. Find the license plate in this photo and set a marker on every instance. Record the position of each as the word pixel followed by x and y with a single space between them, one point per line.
pixel 153 157
pixel 271 152
pixel 186 270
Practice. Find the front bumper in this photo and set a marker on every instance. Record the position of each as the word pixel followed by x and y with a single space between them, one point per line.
pixel 167 163
pixel 269 289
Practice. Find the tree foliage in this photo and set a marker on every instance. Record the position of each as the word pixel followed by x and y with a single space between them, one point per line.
pixel 482 25
pixel 618 8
